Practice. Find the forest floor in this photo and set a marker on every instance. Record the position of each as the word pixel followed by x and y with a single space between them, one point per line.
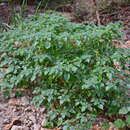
pixel 19 113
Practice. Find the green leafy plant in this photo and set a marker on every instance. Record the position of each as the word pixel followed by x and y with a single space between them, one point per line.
pixel 128 120
pixel 69 66
pixel 119 123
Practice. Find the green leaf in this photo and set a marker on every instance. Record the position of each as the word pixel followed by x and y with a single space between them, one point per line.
pixel 85 86
pixel 74 68
pixel 10 69
pixel 89 125
pixel 119 123
pixel 109 75
pixel 66 76
pixel 128 86
pixel 33 77
pixel 128 120
pixel 47 45
pixel 66 128
pixel 100 106
pixel 124 110
pixel 6 94
pixel 105 126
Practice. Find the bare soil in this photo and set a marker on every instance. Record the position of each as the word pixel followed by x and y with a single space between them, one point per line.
pixel 20 113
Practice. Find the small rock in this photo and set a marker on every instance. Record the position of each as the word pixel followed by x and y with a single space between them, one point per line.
pixel 15 127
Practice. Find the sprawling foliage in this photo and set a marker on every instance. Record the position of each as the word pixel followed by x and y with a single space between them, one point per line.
pixel 71 68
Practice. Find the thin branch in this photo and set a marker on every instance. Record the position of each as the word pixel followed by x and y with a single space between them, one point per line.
pixel 6 26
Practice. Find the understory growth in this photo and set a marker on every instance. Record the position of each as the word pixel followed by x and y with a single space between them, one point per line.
pixel 70 67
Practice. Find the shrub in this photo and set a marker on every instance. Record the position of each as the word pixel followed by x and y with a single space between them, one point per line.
pixel 69 66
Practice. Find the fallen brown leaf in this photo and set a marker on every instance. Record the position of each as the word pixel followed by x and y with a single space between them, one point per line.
pixel 14 102
pixel 14 122
pixel 8 127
